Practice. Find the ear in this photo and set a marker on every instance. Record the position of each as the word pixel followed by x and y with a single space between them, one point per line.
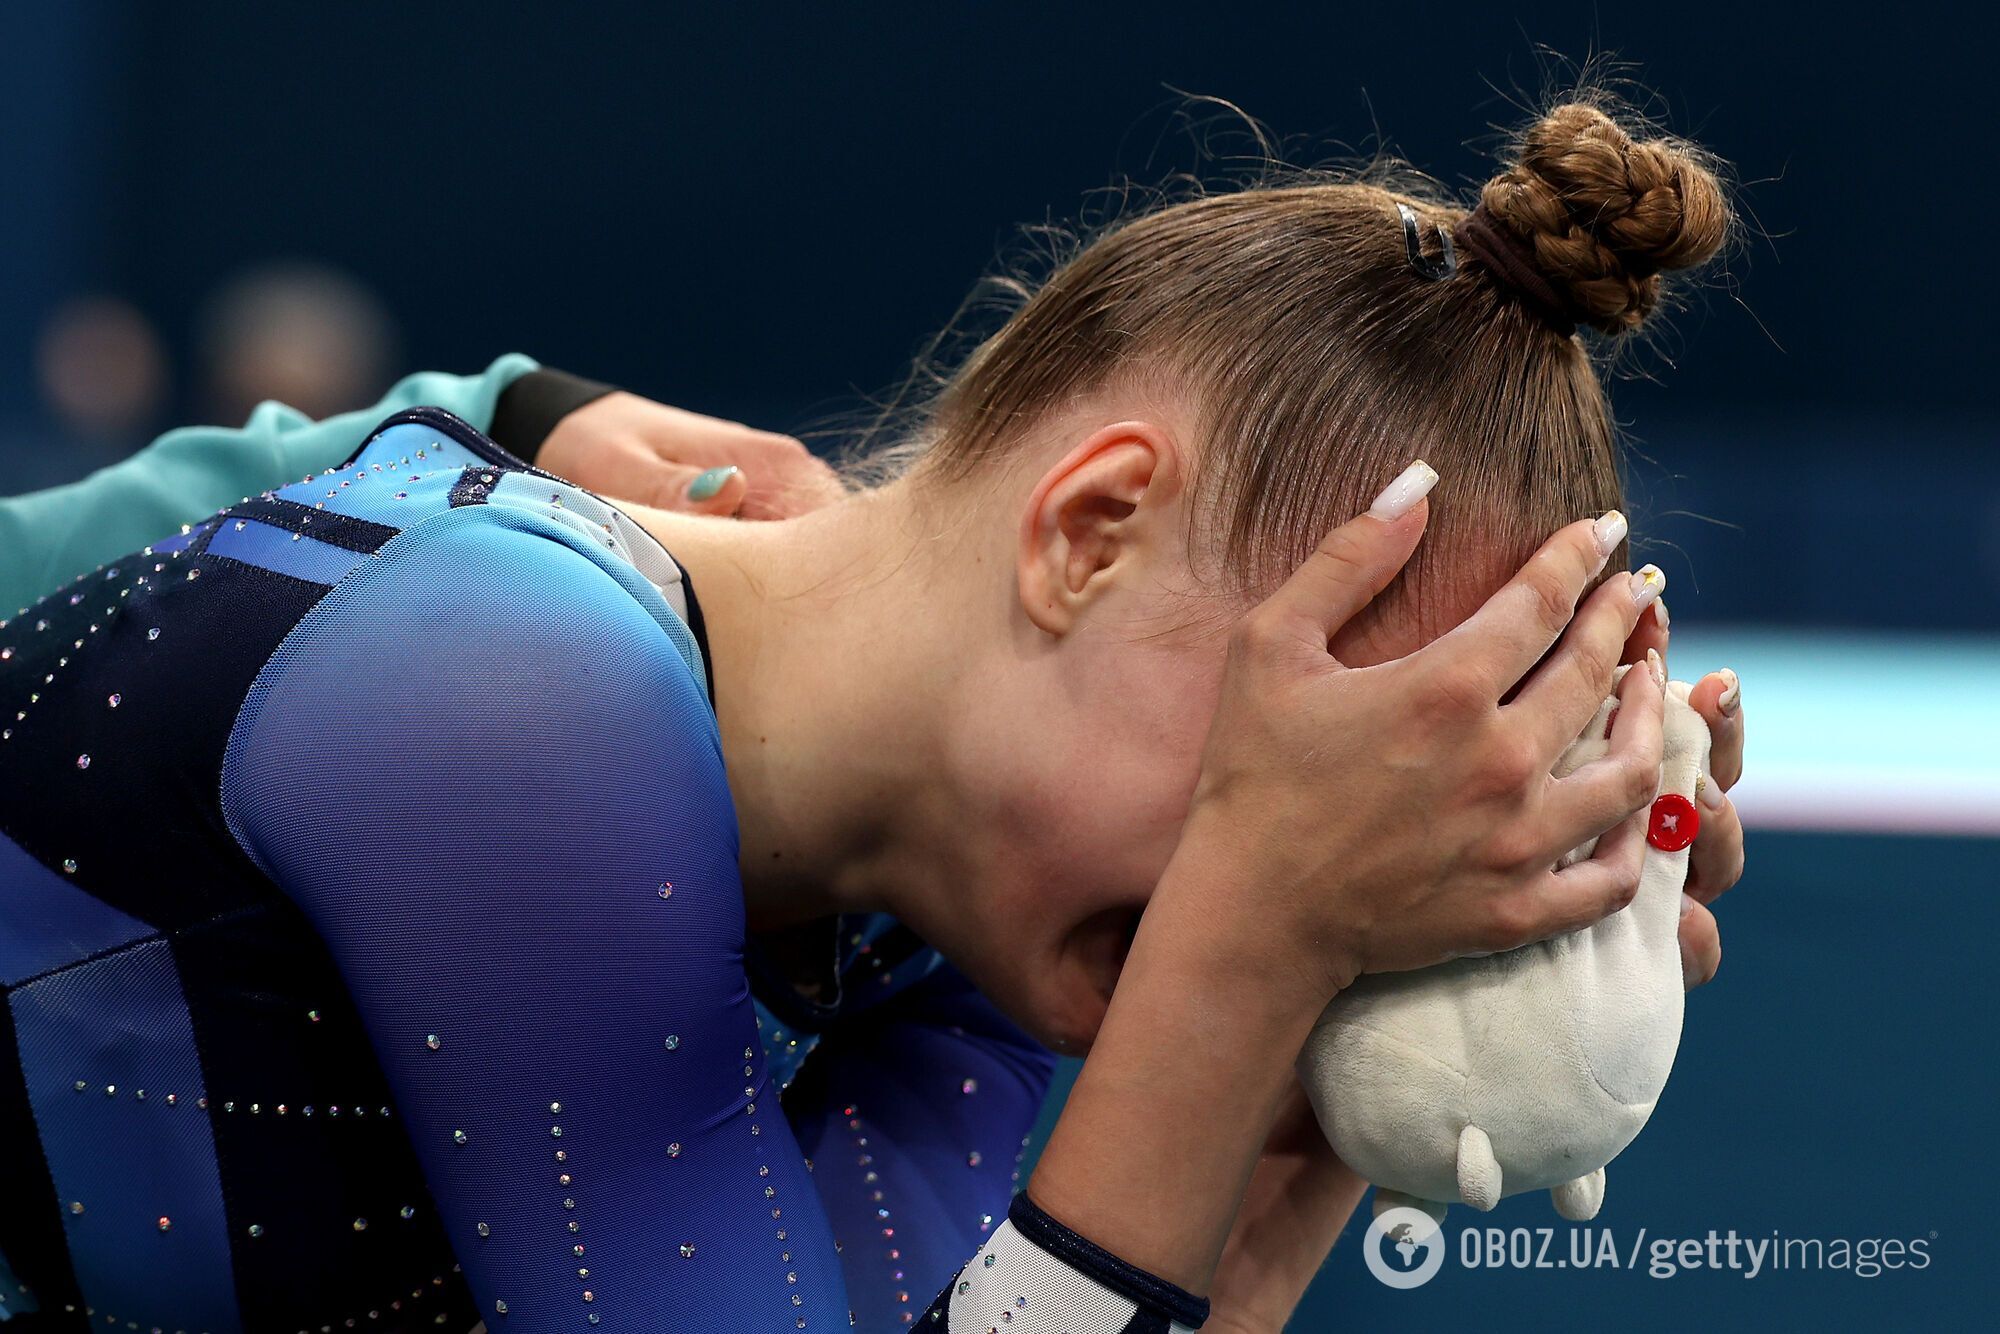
pixel 1090 518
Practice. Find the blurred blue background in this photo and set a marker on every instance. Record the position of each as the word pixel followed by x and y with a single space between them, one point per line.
pixel 759 212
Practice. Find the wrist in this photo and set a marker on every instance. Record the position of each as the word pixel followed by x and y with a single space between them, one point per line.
pixel 1264 957
pixel 1163 1130
pixel 1228 1323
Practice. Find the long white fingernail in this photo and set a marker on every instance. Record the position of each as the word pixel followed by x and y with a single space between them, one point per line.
pixel 1657 666
pixel 1648 582
pixel 1401 496
pixel 1709 792
pixel 1608 532
pixel 1731 698
pixel 1660 614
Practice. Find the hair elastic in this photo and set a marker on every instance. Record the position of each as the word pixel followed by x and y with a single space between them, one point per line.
pixel 1512 265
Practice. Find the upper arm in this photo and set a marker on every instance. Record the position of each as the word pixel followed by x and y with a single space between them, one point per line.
pixel 476 767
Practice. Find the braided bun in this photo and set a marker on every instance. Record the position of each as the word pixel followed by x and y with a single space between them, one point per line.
pixel 1604 214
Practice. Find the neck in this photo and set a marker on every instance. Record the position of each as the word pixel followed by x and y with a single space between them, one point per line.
pixel 826 682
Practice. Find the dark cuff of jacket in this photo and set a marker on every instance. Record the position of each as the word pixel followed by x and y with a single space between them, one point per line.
pixel 529 408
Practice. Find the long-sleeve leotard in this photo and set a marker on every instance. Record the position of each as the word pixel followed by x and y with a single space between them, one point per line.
pixel 483 765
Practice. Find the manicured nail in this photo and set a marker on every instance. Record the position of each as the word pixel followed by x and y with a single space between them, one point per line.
pixel 1709 792
pixel 1731 698
pixel 1648 582
pixel 1688 903
pixel 710 484
pixel 1401 496
pixel 1657 667
pixel 1660 614
pixel 1608 532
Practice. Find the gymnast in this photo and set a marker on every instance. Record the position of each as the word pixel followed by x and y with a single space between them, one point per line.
pixel 435 894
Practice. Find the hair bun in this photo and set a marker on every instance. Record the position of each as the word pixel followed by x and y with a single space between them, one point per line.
pixel 1604 214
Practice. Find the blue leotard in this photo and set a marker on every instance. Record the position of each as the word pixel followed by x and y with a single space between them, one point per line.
pixel 374 957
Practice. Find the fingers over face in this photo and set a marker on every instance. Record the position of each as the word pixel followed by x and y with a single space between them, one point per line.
pixel 1507 636
pixel 1649 633
pixel 1351 565
pixel 1571 682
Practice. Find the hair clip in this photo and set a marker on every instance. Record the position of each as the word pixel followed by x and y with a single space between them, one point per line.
pixel 1446 262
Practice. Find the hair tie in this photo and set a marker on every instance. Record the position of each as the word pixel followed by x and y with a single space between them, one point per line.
pixel 1512 265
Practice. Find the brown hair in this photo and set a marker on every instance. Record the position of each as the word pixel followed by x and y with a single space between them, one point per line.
pixel 1321 361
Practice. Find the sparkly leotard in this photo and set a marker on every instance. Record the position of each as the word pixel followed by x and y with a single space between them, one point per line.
pixel 374 957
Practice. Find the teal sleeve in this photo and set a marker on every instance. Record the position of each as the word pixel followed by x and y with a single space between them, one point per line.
pixel 49 537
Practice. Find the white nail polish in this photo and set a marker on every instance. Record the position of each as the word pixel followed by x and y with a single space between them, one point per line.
pixel 1648 582
pixel 1731 698
pixel 1608 532
pixel 1657 666
pixel 1660 612
pixel 1709 792
pixel 1401 496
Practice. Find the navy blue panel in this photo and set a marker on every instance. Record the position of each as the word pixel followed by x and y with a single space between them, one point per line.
pixel 473 486
pixel 46 921
pixel 119 694
pixel 145 1223
pixel 32 1244
pixel 340 530
pixel 308 1136
pixel 271 548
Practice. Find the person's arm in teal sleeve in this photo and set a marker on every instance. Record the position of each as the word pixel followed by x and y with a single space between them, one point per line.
pixel 51 536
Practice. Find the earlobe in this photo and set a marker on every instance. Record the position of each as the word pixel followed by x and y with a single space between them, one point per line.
pixel 1087 517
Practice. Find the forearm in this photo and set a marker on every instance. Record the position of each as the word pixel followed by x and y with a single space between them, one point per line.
pixel 1161 1136
pixel 1300 1198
